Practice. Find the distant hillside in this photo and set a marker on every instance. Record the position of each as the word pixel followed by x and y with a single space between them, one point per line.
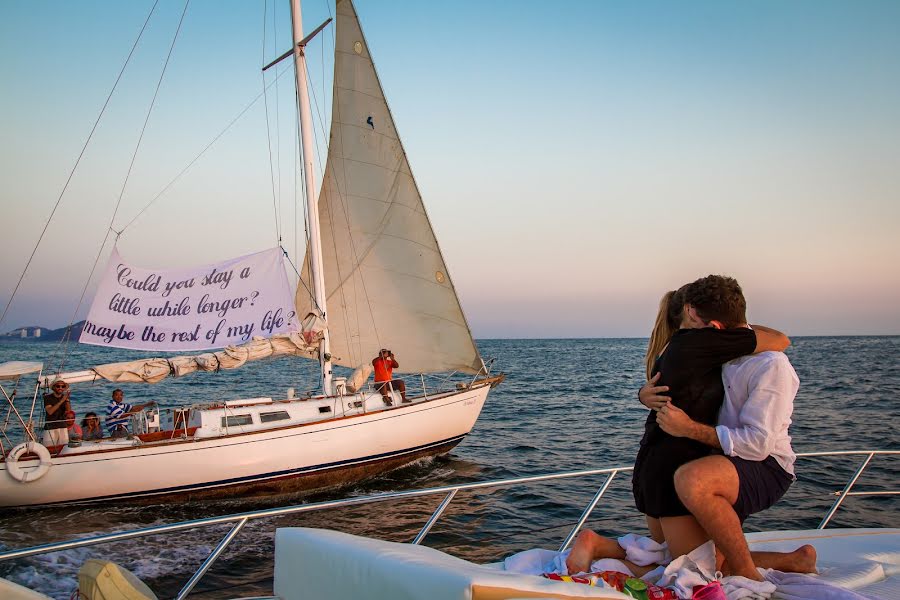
pixel 35 333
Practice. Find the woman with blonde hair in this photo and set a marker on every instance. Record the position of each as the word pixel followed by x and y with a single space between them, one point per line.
pixel 668 321
pixel 698 328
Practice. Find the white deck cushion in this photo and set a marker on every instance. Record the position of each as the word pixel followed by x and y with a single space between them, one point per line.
pixel 857 559
pixel 317 563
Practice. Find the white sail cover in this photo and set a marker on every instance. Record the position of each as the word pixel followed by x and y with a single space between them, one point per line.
pixel 154 370
pixel 17 368
pixel 386 282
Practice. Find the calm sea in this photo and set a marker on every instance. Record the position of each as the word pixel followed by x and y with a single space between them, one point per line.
pixel 566 405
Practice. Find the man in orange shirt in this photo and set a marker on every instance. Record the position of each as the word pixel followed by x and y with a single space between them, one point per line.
pixel 384 365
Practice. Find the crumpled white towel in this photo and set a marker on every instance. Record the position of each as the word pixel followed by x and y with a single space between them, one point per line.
pixel 796 586
pixel 531 562
pixel 696 568
pixel 642 550
pixel 699 568
pixel 539 561
pixel 741 588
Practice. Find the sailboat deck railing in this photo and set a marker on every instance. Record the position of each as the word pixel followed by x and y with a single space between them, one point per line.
pixel 449 492
pixel 20 429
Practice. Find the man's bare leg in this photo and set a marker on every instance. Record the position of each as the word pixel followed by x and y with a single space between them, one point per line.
pixel 708 487
pixel 590 546
pixel 801 560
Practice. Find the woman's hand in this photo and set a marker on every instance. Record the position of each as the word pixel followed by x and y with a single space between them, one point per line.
pixel 651 396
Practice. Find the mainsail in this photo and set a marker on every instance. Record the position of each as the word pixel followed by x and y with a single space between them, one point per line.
pixel 386 282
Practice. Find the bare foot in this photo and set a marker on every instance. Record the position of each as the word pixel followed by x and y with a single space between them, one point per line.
pixel 803 559
pixel 581 556
pixel 589 547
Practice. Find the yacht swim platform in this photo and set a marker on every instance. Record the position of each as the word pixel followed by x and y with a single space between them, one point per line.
pixel 866 560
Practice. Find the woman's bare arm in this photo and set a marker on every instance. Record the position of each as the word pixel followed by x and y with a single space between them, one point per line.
pixel 770 339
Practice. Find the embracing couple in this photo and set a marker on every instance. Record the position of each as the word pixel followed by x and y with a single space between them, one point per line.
pixel 716 447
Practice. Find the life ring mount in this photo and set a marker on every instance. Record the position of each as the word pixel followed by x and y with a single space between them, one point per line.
pixel 16 471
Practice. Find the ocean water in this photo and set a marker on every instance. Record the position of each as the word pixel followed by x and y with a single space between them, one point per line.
pixel 565 405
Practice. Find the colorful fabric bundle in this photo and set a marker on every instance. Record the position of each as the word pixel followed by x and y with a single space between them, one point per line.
pixel 585 578
pixel 622 582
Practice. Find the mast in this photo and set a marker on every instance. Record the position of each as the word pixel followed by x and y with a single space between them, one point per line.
pixel 312 204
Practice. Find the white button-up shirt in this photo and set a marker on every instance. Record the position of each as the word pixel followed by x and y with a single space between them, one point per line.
pixel 756 414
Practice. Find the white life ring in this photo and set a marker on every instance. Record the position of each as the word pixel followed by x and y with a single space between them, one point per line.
pixel 16 472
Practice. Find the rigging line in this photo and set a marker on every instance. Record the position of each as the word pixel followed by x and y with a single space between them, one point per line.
pixel 348 337
pixel 344 304
pixel 202 152
pixel 268 128
pixel 293 266
pixel 78 160
pixel 127 176
pixel 354 253
pixel 277 121
pixel 298 170
pixel 313 300
pixel 294 198
pixel 299 202
pixel 318 112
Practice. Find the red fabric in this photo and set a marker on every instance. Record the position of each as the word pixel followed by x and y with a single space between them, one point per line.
pixel 384 369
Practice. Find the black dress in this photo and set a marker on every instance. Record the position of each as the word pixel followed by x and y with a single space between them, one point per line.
pixel 692 368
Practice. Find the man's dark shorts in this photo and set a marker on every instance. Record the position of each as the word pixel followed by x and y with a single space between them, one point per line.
pixel 762 484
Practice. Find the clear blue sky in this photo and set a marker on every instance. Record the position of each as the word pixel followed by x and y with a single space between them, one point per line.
pixel 577 159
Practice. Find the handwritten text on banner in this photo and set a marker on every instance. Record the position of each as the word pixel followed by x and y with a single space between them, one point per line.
pixel 194 308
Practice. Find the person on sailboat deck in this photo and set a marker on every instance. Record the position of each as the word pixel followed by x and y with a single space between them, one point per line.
pixel 90 427
pixel 118 413
pixel 74 429
pixel 678 495
pixel 384 365
pixel 56 404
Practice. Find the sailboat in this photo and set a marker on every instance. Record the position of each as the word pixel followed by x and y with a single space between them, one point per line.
pixel 377 280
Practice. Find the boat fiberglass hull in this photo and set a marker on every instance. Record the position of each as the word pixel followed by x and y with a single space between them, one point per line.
pixel 307 457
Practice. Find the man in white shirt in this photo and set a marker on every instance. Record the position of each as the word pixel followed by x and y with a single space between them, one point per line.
pixel 757 464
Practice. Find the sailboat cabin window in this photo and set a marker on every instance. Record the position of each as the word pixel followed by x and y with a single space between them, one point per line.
pixel 235 420
pixel 279 415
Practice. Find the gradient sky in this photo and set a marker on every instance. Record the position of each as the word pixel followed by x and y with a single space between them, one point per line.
pixel 577 158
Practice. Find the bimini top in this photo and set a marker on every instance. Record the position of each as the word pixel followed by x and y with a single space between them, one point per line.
pixel 16 368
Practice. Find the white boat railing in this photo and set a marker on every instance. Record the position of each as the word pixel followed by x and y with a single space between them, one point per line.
pixel 450 491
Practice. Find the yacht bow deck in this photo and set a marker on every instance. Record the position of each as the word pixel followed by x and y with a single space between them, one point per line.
pixel 867 560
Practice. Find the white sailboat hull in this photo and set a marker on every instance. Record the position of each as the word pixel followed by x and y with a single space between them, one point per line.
pixel 302 457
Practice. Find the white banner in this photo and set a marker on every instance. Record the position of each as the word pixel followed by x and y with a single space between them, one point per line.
pixel 193 308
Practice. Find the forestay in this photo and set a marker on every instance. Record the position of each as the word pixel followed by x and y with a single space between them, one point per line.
pixel 386 281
